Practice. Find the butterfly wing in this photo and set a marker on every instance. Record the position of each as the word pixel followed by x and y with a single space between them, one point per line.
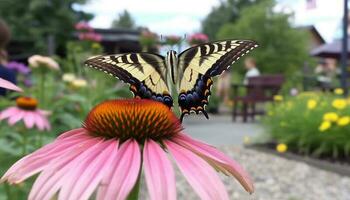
pixel 145 72
pixel 199 64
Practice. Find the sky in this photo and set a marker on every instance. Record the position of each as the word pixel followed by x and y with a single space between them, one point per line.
pixel 181 17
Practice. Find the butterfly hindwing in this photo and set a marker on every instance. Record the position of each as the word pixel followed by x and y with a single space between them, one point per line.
pixel 199 64
pixel 145 72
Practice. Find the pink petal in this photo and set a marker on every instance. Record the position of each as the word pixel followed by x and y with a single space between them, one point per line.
pixel 43 114
pixel 46 122
pixel 85 177
pixel 54 176
pixel 8 112
pixel 160 176
pixel 16 117
pixel 10 86
pixel 37 161
pixel 123 173
pixel 29 120
pixel 74 132
pixel 39 122
pixel 217 159
pixel 200 175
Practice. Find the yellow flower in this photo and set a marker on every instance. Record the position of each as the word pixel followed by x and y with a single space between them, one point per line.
pixel 281 148
pixel 278 98
pixel 96 45
pixel 311 104
pixel 246 140
pixel 339 91
pixel 79 83
pixel 325 126
pixel 330 117
pixel 339 103
pixel 343 121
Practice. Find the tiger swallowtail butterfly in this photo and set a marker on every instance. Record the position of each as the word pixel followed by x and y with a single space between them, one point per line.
pixel 150 75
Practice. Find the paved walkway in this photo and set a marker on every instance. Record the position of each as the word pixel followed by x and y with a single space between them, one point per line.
pixel 275 178
pixel 220 130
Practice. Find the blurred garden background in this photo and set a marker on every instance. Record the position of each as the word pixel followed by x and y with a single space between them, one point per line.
pixel 283 111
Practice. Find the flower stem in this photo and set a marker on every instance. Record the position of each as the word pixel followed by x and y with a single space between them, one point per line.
pixel 40 139
pixel 42 87
pixel 24 145
pixel 7 191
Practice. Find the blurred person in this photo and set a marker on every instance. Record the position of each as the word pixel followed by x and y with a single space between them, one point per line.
pixel 252 69
pixel 5 73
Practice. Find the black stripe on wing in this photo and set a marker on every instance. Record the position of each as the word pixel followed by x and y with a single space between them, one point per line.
pixel 207 50
pixel 137 87
pixel 245 46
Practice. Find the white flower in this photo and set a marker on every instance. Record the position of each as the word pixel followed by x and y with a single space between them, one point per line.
pixel 68 77
pixel 79 83
pixel 38 60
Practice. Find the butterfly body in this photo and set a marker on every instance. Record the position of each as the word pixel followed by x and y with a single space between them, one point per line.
pixel 152 76
pixel 171 62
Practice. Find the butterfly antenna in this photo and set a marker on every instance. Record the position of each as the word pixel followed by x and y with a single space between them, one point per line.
pixel 184 38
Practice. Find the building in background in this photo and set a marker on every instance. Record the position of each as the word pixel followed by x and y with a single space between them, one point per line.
pixel 117 40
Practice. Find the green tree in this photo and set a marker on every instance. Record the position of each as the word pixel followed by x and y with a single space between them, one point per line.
pixel 282 48
pixel 35 20
pixel 124 20
pixel 228 11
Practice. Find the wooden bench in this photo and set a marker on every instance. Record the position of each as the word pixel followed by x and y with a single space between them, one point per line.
pixel 259 89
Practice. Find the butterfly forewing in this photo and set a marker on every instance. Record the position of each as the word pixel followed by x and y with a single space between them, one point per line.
pixel 145 72
pixel 199 64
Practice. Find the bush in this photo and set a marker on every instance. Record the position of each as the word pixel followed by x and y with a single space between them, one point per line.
pixel 311 123
pixel 282 47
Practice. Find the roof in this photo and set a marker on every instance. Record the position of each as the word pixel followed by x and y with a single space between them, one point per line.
pixel 330 50
pixel 119 34
pixel 313 30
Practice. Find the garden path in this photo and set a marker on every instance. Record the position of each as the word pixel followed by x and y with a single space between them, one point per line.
pixel 275 178
pixel 220 130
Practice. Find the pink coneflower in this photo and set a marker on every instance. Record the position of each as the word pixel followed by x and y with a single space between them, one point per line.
pixel 26 111
pixel 8 85
pixel 197 38
pixel 83 26
pixel 106 155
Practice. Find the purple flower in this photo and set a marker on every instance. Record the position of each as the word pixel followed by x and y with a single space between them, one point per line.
pixel 18 67
pixel 28 82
